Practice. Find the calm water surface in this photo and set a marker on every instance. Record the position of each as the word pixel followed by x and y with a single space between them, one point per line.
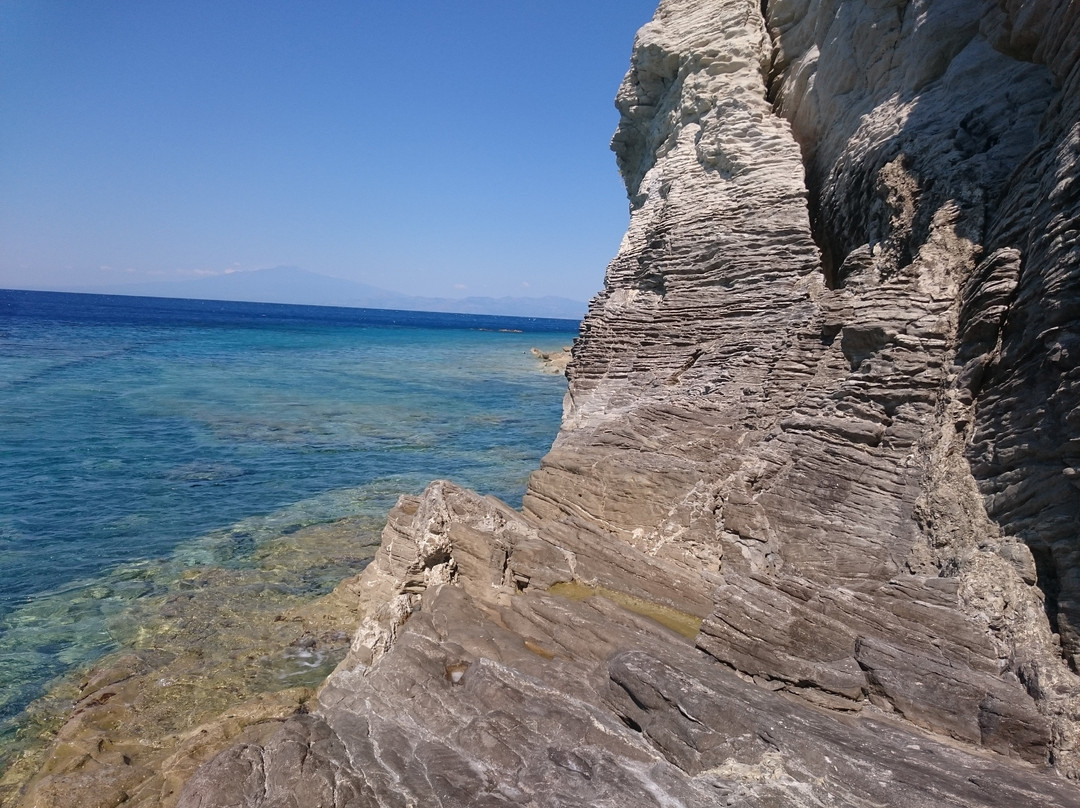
pixel 139 429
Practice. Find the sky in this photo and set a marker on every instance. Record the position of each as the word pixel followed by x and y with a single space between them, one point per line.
pixel 433 148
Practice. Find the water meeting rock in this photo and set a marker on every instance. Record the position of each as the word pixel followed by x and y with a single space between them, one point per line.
pixel 808 535
pixel 824 409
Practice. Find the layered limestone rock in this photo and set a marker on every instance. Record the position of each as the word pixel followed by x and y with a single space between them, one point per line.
pixel 480 680
pixel 803 420
pixel 808 535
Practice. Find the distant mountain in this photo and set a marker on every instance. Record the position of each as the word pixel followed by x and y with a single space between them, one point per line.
pixel 295 285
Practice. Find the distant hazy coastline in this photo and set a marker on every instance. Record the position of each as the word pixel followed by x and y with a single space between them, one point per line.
pixel 300 287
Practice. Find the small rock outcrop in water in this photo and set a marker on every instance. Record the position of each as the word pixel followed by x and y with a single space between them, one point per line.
pixel 553 361
pixel 808 535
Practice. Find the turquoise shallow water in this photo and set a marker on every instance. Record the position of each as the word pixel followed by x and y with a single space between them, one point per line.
pixel 133 430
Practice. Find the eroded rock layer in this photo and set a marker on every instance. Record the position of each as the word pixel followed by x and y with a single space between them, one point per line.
pixel 808 535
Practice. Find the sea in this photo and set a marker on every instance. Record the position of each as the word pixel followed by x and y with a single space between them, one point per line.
pixel 141 438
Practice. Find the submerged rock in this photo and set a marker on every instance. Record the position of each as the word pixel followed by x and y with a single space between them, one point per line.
pixel 808 534
pixel 553 361
pixel 211 656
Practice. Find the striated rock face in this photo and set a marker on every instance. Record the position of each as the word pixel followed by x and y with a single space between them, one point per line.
pixel 479 681
pixel 809 533
pixel 802 422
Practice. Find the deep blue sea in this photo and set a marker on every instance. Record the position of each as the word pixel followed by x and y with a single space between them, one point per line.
pixel 135 429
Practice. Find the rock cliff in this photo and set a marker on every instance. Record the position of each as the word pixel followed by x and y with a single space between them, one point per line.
pixel 808 535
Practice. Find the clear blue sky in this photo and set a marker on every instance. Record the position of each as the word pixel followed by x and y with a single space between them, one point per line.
pixel 435 148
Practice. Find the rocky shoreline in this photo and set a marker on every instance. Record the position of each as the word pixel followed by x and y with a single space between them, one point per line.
pixel 807 536
pixel 223 654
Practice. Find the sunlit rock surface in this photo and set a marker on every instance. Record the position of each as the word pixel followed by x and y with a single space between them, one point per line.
pixel 809 533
